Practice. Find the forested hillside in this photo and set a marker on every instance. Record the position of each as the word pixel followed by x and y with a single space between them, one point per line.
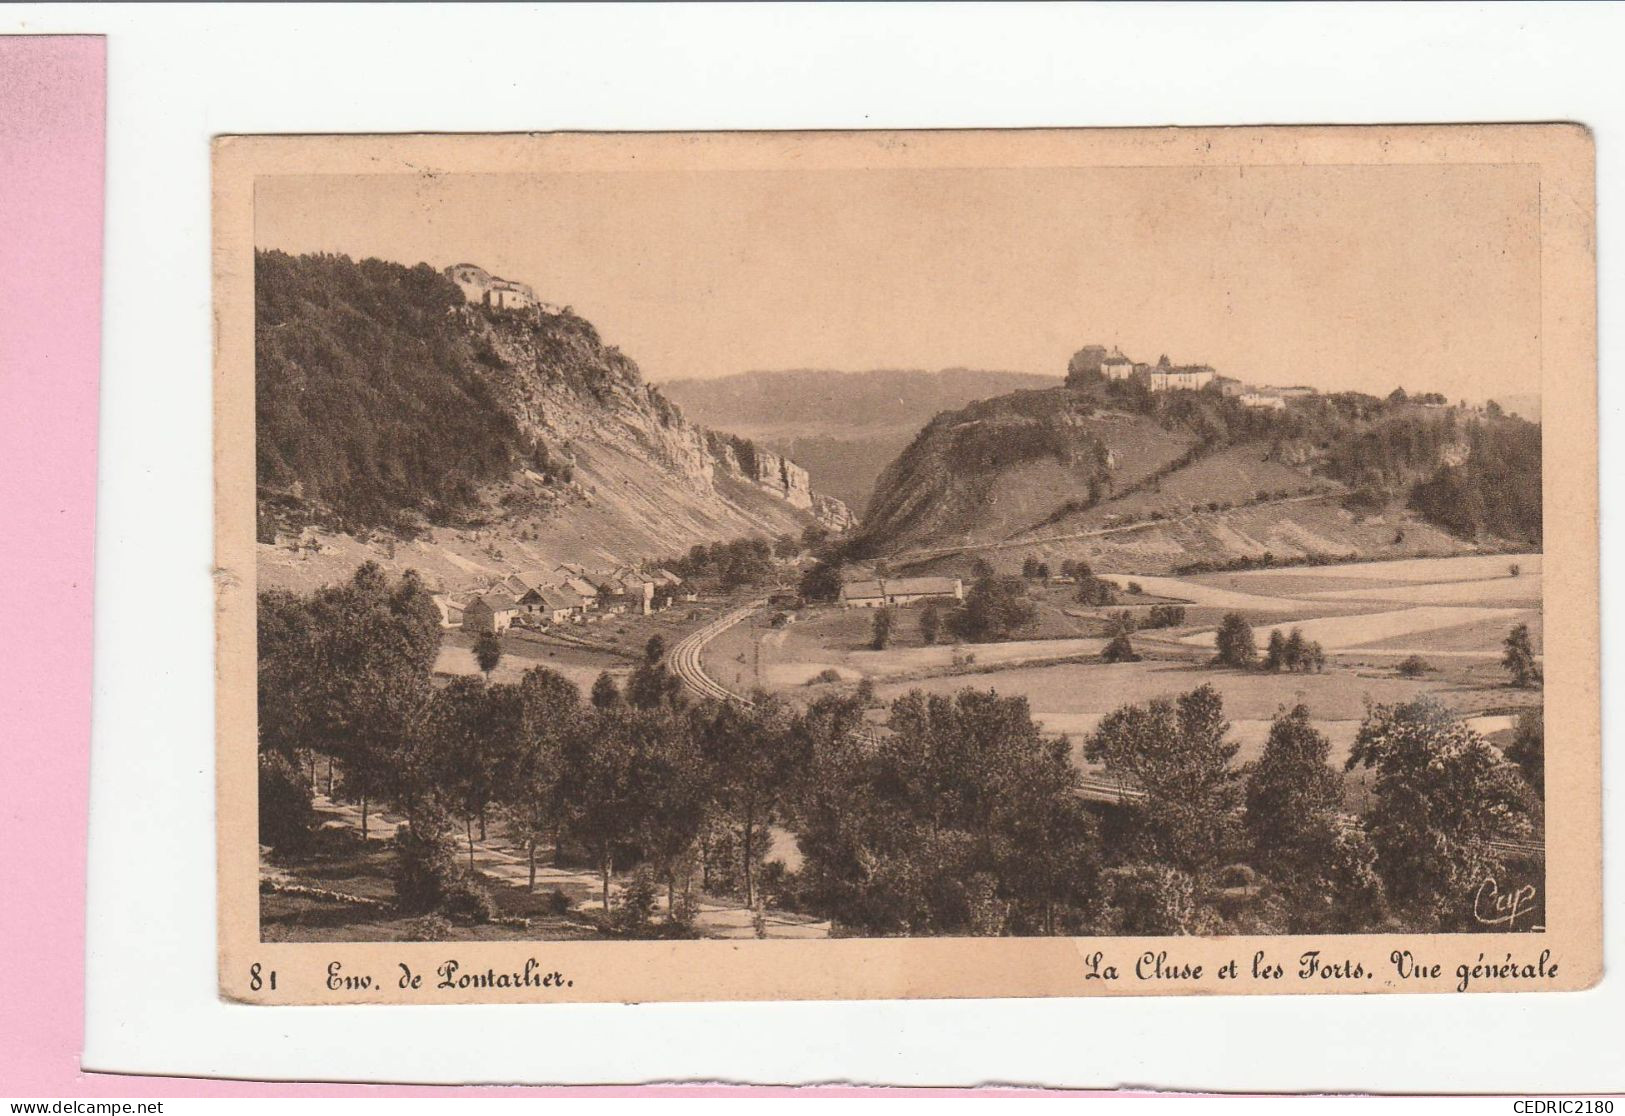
pixel 399 423
pixel 366 392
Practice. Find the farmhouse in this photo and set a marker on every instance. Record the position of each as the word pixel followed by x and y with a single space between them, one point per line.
pixel 554 603
pixel 640 592
pixel 886 591
pixel 584 589
pixel 493 611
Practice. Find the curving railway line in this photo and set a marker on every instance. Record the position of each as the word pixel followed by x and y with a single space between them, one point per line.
pixel 685 656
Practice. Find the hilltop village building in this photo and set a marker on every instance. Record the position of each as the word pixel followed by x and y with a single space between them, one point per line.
pixel 886 591
pixel 1116 366
pixel 481 287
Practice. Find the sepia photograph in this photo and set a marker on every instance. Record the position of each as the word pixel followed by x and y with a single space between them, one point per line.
pixel 768 538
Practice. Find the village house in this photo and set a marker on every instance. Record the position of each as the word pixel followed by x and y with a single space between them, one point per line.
pixel 553 603
pixel 493 611
pixel 586 590
pixel 640 593
pixel 887 591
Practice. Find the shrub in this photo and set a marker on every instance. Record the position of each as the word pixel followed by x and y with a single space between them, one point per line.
pixel 470 900
pixel 1414 666
pixel 1119 650
pixel 286 815
pixel 426 870
pixel 1135 588
pixel 829 674
pixel 635 907
pixel 428 928
pixel 555 902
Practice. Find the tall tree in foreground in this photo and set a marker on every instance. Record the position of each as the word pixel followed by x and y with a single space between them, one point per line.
pixel 550 713
pixel 1325 870
pixel 1292 791
pixel 753 759
pixel 376 651
pixel 1179 754
pixel 1443 796
pixel 1528 747
pixel 601 775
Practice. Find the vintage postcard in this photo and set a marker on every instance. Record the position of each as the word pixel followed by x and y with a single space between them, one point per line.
pixel 906 564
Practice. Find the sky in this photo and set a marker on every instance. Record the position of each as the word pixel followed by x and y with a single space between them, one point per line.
pixel 1338 277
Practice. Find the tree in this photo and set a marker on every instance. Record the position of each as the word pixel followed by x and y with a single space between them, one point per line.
pixel 822 582
pixel 374 651
pixel 1528 747
pixel 1443 798
pixel 601 785
pixel 651 686
pixel 1295 653
pixel 980 568
pixel 474 729
pixel 995 608
pixel 1029 567
pixel 752 759
pixel 1292 791
pixel 1275 659
pixel 285 812
pixel 655 649
pixel 487 652
pixel 930 622
pixel 963 820
pixel 880 630
pixel 675 805
pixel 1236 645
pixel 605 694
pixel 1519 657
pixel 1151 899
pixel 532 794
pixel 1178 754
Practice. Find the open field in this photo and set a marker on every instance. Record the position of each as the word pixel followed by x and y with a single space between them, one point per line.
pixel 1337 633
pixel 1454 612
pixel 1468 567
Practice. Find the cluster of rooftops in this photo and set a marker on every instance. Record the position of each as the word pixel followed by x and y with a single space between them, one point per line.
pixel 567 591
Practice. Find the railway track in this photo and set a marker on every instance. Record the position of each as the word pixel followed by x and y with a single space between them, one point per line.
pixel 685 657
